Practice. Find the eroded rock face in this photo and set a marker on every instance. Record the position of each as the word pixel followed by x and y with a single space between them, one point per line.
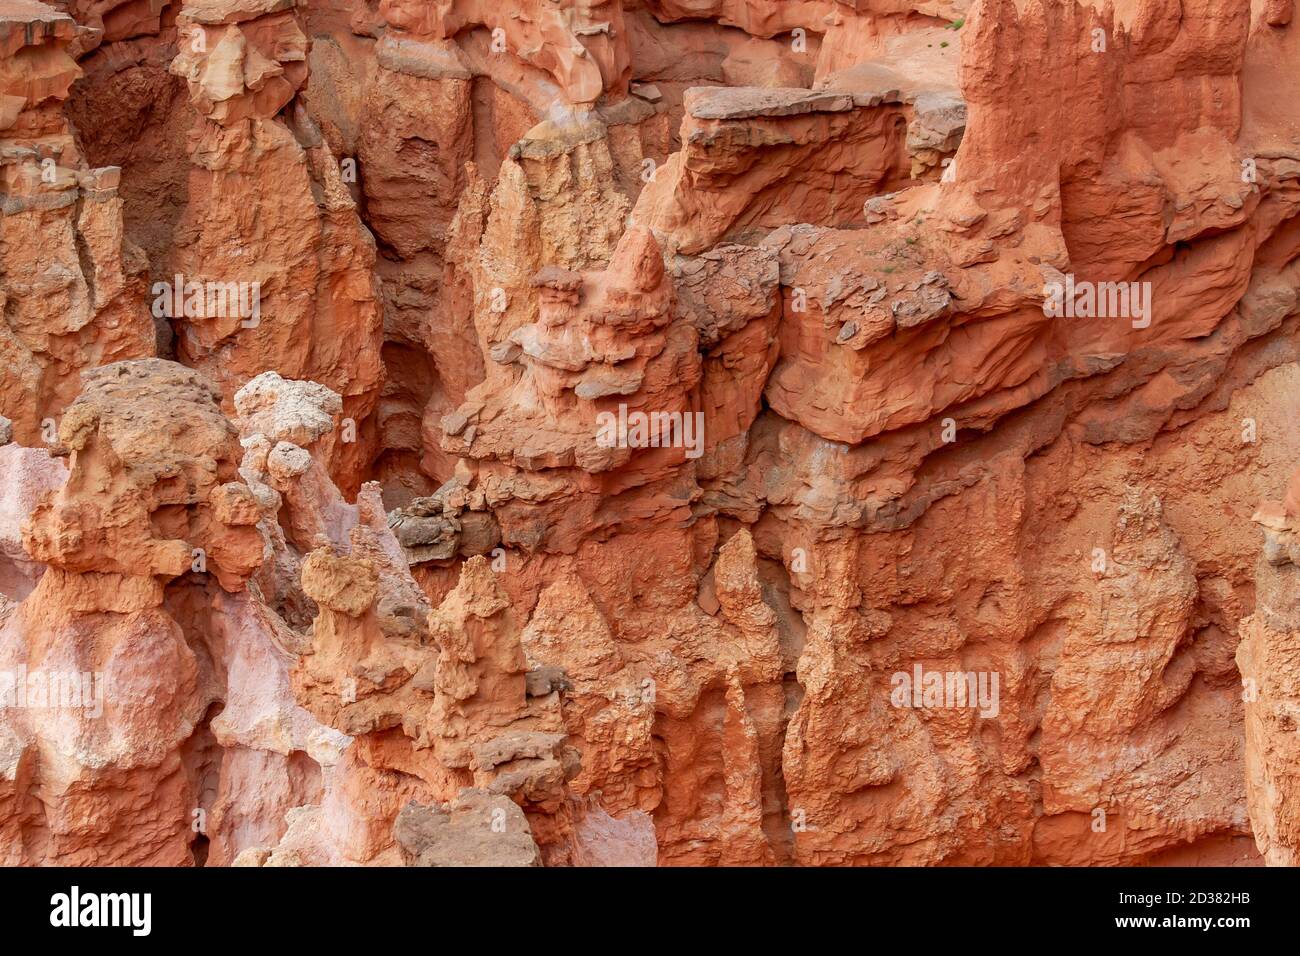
pixel 664 433
pixel 72 286
pixel 116 672
pixel 270 267
pixel 1267 659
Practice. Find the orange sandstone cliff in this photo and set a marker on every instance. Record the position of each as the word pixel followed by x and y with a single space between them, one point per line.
pixel 648 432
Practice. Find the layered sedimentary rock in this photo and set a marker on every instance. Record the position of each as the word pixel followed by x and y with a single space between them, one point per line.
pixel 670 433
pixel 268 217
pixel 72 286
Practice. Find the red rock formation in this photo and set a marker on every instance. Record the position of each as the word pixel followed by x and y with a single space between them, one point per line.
pixel 1267 660
pixel 72 286
pixel 692 433
pixel 152 508
pixel 293 247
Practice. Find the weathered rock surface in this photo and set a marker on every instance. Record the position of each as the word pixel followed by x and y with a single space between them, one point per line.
pixel 72 286
pixel 664 433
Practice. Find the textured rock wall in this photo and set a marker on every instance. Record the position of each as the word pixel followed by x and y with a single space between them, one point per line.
pixel 678 433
